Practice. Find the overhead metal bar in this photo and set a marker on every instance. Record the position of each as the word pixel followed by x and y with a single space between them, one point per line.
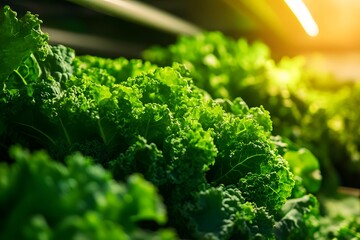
pixel 142 13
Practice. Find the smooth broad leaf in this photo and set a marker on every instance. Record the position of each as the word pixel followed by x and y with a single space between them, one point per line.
pixel 305 165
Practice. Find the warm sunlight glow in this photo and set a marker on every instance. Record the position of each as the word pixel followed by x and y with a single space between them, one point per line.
pixel 303 14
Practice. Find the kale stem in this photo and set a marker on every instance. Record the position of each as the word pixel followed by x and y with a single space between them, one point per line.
pixel 21 77
pixel 147 128
pixel 39 131
pixel 65 132
pixel 102 134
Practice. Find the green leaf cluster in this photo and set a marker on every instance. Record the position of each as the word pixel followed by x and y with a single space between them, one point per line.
pixel 214 162
pixel 44 199
pixel 19 39
pixel 313 116
pixel 301 108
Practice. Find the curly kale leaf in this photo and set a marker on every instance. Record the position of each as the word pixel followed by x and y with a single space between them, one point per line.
pixel 40 197
pixel 248 159
pixel 19 38
pixel 214 61
pixel 159 111
pixel 223 213
pixel 120 68
pixel 141 157
pixel 276 186
pixel 25 104
pixel 58 63
pixel 30 75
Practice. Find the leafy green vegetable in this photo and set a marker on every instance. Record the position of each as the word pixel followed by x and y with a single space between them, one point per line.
pixel 229 68
pixel 210 59
pixel 299 219
pixel 214 162
pixel 342 122
pixel 340 218
pixel 132 116
pixel 308 117
pixel 19 39
pixel 305 165
pixel 40 198
pixel 222 213
pixel 350 230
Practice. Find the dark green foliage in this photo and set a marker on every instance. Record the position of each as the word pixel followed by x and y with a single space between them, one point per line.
pixel 298 219
pixel 350 230
pixel 40 198
pixel 223 213
pixel 341 217
pixel 19 39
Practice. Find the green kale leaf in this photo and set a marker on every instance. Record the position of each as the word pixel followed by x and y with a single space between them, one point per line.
pixel 41 198
pixel 19 39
